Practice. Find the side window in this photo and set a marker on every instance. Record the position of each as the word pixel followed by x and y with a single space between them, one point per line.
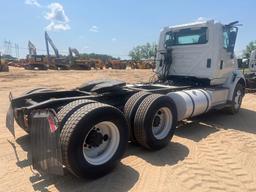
pixel 229 38
pixel 226 40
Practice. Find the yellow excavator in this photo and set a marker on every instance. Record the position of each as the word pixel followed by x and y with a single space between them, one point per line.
pixel 34 61
pixel 76 62
pixel 115 64
pixel 142 64
pixel 58 61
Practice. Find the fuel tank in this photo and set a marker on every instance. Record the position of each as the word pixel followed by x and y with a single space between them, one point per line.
pixel 191 102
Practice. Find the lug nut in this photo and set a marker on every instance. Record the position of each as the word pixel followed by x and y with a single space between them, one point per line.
pixel 105 137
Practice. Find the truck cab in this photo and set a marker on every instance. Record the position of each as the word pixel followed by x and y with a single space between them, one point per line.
pixel 202 51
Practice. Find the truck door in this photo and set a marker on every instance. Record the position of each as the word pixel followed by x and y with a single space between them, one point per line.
pixel 227 62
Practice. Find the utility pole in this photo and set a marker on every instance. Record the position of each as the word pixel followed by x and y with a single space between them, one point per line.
pixel 7 47
pixel 17 50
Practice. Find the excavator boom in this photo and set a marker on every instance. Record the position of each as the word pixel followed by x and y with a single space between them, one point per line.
pixel 48 41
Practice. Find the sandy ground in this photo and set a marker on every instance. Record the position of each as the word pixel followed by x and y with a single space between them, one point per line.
pixel 217 152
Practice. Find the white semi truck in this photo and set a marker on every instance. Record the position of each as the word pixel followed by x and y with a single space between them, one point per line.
pixel 252 62
pixel 250 76
pixel 85 130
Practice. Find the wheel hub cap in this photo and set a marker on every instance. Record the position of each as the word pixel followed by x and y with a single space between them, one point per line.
pixel 94 138
pixel 156 121
pixel 101 143
pixel 162 123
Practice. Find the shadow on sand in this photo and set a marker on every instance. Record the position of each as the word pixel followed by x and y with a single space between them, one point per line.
pixel 211 122
pixel 123 178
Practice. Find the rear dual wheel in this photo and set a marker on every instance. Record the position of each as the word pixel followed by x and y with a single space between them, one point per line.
pixel 93 140
pixel 153 122
pixel 130 109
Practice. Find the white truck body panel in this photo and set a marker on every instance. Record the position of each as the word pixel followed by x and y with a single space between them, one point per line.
pixel 191 60
pixel 252 63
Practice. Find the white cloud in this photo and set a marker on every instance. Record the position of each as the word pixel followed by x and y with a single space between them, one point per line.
pixel 32 2
pixel 94 28
pixel 85 48
pixel 57 17
pixel 113 39
pixel 53 26
pixel 201 19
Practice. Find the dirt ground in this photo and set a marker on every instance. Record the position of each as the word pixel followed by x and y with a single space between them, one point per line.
pixel 216 152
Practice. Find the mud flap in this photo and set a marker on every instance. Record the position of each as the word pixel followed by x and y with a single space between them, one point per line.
pixel 46 151
pixel 10 120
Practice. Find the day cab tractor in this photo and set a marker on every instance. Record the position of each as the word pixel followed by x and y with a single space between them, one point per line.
pixel 86 130
pixel 251 75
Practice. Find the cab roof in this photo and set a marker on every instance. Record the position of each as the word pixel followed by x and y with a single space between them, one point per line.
pixel 189 25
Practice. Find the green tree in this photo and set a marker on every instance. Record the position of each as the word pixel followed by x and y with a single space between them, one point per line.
pixel 249 48
pixel 146 51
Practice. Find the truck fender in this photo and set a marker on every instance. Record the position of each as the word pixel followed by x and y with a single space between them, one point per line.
pixel 231 82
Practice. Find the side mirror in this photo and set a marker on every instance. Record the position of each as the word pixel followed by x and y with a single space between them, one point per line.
pixel 240 63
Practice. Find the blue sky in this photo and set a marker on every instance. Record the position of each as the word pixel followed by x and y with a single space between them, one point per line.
pixel 111 26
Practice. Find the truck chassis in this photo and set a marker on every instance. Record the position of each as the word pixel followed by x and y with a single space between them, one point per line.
pixel 102 116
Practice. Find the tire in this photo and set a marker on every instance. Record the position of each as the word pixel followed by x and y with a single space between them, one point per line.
pixel 66 111
pixel 130 109
pixel 76 140
pixel 155 121
pixel 237 99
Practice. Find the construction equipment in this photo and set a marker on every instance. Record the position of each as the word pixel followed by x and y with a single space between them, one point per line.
pixel 76 62
pixel 96 63
pixel 31 48
pixel 3 65
pixel 34 61
pixel 143 64
pixel 86 129
pixel 58 62
pixel 115 64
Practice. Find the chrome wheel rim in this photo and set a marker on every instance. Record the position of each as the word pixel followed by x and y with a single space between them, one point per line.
pixel 101 143
pixel 162 123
